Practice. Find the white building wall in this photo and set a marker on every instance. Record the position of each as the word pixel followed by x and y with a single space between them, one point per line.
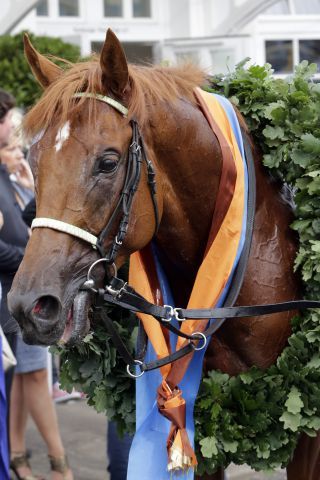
pixel 178 19
pixel 217 13
pixel 179 29
pixel 91 25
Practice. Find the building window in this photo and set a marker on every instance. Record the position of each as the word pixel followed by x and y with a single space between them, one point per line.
pixel 42 8
pixel 138 53
pixel 310 50
pixel 279 53
pixel 141 8
pixel 113 8
pixel 187 57
pixel 307 7
pixel 68 8
pixel 281 7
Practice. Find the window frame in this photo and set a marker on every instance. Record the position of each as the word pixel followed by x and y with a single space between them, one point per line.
pixel 69 16
pixel 287 39
pixel 122 16
pixel 48 10
pixel 141 17
pixel 298 48
pixel 295 51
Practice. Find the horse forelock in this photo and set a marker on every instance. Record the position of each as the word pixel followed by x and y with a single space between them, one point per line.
pixel 148 86
pixel 57 104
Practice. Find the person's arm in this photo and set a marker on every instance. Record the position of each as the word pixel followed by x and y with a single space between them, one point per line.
pixel 10 257
pixel 24 175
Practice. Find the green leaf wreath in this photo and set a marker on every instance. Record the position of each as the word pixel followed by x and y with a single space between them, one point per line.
pixel 255 417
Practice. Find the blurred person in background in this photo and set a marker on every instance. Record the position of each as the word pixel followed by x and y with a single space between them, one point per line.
pixel 10 254
pixel 30 391
pixel 7 102
pixel 4 451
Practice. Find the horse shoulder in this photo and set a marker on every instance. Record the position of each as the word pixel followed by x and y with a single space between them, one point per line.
pixel 269 278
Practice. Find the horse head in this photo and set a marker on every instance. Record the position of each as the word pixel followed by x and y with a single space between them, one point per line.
pixel 80 162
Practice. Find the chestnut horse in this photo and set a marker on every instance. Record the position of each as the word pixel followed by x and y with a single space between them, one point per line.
pixel 79 159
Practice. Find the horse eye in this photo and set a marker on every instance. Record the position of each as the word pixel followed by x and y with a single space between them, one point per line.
pixel 106 165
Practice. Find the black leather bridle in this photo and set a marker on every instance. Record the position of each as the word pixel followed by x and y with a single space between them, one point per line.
pixel 119 293
pixel 136 156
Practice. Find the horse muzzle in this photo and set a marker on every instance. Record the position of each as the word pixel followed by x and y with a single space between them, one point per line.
pixel 45 321
pixel 77 323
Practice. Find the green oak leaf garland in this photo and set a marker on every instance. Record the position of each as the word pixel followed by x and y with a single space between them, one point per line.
pixel 255 417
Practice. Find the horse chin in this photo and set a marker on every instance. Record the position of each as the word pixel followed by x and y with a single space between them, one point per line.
pixel 78 323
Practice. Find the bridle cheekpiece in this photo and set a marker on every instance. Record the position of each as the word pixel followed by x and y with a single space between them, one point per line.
pixel 136 156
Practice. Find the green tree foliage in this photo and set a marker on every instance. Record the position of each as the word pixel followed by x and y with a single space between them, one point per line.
pixel 256 417
pixel 15 74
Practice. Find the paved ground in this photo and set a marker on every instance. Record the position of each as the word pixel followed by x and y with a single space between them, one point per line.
pixel 83 432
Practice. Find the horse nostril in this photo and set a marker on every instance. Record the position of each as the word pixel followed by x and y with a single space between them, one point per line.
pixel 47 307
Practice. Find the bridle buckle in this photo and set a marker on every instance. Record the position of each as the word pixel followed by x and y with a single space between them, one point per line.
pixel 177 312
pixel 114 292
pixel 203 339
pixel 135 147
pixel 170 313
pixel 118 242
pixel 133 375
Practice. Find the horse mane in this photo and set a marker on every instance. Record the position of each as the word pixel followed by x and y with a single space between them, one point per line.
pixel 149 85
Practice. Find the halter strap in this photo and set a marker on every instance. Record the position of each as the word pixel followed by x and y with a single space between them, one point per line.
pixel 64 227
pixel 103 98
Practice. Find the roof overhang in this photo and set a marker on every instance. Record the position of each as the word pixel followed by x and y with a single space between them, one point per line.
pixel 243 15
pixel 12 12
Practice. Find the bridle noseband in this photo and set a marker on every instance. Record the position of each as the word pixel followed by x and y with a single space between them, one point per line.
pixel 136 156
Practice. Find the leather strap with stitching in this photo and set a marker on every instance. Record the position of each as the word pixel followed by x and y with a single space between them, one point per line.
pixel 220 314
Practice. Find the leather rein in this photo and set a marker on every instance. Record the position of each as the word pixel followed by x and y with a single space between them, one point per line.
pixel 119 293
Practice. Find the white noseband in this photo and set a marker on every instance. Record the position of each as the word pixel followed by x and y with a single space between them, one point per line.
pixel 66 228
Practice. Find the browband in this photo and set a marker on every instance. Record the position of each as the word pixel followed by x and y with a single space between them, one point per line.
pixel 103 98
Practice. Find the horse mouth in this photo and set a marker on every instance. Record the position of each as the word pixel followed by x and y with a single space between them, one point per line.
pixel 78 323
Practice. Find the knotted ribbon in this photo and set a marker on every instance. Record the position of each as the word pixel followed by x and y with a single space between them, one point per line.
pixel 172 406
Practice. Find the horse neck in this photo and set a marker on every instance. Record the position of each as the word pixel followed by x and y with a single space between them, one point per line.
pixel 188 157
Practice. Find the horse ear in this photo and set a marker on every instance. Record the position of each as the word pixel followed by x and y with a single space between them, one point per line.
pixel 45 71
pixel 114 66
